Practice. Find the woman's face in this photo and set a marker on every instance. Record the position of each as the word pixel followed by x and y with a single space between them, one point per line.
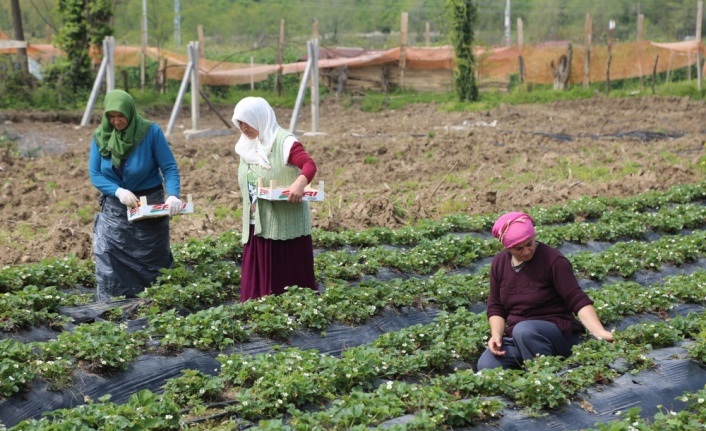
pixel 524 251
pixel 118 120
pixel 247 130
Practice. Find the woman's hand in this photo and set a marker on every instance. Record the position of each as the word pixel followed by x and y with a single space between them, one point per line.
pixel 174 204
pixel 604 335
pixel 589 318
pixel 127 198
pixel 296 190
pixel 497 330
pixel 495 345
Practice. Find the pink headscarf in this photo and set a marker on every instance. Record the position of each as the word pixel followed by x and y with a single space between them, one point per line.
pixel 513 228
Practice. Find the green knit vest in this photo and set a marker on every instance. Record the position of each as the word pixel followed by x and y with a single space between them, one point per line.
pixel 274 219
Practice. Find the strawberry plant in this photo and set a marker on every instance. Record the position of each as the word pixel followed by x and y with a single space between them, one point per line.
pixel 101 346
pixel 16 372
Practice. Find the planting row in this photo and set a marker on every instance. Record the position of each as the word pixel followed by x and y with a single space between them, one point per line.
pixel 209 284
pixel 298 389
pixel 613 219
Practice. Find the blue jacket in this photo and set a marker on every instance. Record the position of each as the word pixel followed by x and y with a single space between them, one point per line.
pixel 149 165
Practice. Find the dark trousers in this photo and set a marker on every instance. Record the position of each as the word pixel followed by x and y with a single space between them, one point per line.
pixel 529 339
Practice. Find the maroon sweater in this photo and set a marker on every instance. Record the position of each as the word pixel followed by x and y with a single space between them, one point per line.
pixel 299 158
pixel 544 289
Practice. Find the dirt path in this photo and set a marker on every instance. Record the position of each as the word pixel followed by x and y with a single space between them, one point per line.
pixel 380 169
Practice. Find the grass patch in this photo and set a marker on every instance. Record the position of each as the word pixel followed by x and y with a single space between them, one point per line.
pixel 222 212
pixel 669 157
pixel 452 206
pixel 85 214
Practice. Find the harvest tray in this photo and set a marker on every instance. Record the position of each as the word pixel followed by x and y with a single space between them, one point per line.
pixel 275 193
pixel 157 210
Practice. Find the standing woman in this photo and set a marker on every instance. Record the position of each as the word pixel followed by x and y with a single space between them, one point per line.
pixel 130 157
pixel 534 298
pixel 276 236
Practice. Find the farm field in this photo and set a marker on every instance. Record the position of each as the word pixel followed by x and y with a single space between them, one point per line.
pixel 402 252
pixel 380 169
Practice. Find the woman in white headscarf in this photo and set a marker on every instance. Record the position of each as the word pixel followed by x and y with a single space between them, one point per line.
pixel 276 236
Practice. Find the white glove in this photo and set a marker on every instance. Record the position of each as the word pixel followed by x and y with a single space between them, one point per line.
pixel 175 205
pixel 126 197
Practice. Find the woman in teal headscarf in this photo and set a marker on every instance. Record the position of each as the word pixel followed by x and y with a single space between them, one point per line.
pixel 130 157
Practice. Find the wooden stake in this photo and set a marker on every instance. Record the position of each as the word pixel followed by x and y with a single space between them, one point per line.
pixel 403 46
pixel 442 180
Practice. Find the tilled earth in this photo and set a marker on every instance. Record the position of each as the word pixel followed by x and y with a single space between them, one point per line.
pixel 386 168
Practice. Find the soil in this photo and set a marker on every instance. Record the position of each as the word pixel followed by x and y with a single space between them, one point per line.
pixel 388 168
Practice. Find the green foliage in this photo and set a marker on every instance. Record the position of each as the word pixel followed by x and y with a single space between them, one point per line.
pixel 101 346
pixel 463 16
pixel 13 85
pixel 99 15
pixel 61 272
pixel 193 388
pixel 16 373
pixel 73 39
pixel 143 411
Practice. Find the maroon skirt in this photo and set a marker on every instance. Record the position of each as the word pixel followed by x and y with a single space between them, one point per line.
pixel 270 265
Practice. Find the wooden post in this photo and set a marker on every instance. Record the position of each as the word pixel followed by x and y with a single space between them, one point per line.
pixel 315 29
pixel 403 45
pixel 163 77
pixel 587 51
pixel 562 71
pixel 427 34
pixel 521 69
pixel 20 35
pixel 669 66
pixel 252 74
pixel 202 46
pixel 611 28
pixel 654 74
pixel 521 46
pixel 640 26
pixel 280 60
pixel 699 17
pixel 688 68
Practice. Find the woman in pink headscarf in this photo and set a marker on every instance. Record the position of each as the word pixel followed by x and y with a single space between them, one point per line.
pixel 534 298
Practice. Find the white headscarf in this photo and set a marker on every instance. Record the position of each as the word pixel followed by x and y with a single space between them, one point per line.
pixel 258 114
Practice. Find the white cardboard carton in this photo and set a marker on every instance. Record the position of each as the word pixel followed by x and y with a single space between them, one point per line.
pixel 274 193
pixel 158 210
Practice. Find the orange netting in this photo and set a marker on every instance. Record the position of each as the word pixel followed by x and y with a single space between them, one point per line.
pixel 628 60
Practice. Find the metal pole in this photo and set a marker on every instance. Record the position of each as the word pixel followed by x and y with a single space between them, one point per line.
pixel 302 88
pixel 143 52
pixel 177 23
pixel 507 23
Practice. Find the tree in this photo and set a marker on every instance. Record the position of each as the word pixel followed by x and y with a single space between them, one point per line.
pixel 463 16
pixel 85 23
pixel 20 35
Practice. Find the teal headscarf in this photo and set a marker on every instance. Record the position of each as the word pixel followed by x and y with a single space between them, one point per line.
pixel 113 142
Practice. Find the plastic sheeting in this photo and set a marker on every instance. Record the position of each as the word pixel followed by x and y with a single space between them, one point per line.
pixel 128 254
pixel 675 372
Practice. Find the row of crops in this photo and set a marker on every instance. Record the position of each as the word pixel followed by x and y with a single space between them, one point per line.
pixel 299 361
